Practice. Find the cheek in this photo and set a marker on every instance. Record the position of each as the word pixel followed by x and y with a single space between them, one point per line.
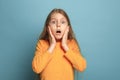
pixel 64 28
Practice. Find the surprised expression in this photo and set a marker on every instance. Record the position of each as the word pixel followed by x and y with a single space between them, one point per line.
pixel 58 25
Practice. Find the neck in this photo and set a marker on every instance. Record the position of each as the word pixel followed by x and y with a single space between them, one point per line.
pixel 59 40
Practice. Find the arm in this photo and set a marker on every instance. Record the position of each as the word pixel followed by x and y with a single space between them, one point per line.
pixel 74 56
pixel 41 58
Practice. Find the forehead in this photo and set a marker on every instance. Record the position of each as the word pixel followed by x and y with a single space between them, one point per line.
pixel 58 16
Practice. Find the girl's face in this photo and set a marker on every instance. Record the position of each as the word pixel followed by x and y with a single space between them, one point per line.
pixel 58 24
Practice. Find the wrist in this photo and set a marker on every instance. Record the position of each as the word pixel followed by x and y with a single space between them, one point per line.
pixel 51 48
pixel 65 47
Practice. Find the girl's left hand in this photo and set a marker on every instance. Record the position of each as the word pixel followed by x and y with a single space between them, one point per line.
pixel 64 39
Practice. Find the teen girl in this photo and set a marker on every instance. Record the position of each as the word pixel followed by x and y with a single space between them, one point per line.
pixel 57 52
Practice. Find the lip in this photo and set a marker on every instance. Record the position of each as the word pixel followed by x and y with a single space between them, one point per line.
pixel 58 31
pixel 58 34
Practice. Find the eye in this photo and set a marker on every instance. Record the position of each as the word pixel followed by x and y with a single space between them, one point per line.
pixel 63 22
pixel 53 22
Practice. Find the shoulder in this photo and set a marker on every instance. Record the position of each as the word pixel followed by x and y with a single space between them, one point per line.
pixel 72 42
pixel 42 43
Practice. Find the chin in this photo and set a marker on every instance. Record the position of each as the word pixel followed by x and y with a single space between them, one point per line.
pixel 58 38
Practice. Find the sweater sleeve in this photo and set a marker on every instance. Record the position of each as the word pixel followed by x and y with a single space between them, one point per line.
pixel 41 58
pixel 75 57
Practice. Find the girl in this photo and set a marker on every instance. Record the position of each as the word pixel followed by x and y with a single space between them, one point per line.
pixel 57 51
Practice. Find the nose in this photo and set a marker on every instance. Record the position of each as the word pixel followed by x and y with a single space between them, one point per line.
pixel 58 24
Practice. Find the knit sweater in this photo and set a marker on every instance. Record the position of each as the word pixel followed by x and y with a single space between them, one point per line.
pixel 58 65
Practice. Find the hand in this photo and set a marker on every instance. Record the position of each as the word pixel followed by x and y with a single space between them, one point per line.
pixel 52 41
pixel 64 39
pixel 51 38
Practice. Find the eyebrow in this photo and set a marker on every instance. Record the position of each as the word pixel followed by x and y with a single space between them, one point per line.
pixel 61 18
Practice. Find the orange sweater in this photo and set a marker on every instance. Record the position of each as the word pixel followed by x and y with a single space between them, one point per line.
pixel 57 65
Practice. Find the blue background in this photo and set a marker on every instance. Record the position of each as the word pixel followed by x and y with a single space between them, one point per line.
pixel 96 24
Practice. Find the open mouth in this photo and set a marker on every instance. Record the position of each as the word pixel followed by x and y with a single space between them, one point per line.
pixel 58 31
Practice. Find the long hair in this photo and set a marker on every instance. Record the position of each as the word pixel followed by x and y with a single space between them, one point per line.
pixel 45 34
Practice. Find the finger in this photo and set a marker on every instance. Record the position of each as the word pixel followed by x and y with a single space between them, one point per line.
pixel 51 35
pixel 66 32
pixel 68 28
pixel 50 32
pixel 65 36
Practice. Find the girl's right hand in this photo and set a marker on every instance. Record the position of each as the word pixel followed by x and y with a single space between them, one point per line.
pixel 51 38
pixel 52 41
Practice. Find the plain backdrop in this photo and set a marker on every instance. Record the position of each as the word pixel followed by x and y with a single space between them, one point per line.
pixel 96 24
